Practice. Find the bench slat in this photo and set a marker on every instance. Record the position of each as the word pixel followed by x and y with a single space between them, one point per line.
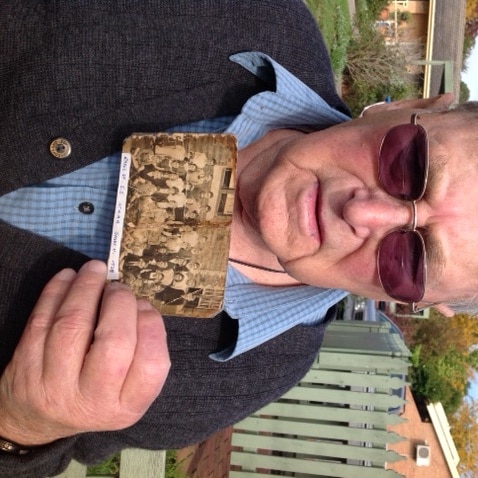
pixel 144 463
pixel 134 463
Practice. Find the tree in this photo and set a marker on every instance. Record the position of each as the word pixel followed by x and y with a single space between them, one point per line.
pixel 441 379
pixel 463 331
pixel 471 18
pixel 440 333
pixel 444 359
pixel 471 9
pixel 374 70
pixel 464 430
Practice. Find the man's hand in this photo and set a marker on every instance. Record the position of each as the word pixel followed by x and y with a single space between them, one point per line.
pixel 92 357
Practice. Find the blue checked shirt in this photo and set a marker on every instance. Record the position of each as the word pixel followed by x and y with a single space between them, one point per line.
pixel 53 208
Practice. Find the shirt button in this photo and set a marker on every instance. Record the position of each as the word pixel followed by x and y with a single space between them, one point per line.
pixel 86 207
pixel 60 148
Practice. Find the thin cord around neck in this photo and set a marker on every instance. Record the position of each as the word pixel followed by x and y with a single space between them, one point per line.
pixel 262 268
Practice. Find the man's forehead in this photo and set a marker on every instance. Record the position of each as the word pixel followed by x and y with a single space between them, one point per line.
pixel 454 141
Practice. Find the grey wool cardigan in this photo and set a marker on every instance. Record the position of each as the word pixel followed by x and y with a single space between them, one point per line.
pixel 93 72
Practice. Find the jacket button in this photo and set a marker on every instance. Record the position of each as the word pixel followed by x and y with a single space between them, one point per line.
pixel 60 148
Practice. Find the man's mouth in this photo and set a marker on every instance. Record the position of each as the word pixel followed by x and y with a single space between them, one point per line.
pixel 318 209
pixel 312 213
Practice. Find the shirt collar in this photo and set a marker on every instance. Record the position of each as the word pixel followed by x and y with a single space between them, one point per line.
pixel 306 108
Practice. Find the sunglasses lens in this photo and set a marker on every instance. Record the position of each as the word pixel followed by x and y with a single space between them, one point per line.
pixel 403 158
pixel 401 266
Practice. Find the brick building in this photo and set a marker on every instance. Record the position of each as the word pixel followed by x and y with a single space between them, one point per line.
pixel 429 449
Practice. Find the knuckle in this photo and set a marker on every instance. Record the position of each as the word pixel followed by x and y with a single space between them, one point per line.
pixel 154 372
pixel 39 321
pixel 52 289
pixel 114 343
pixel 73 320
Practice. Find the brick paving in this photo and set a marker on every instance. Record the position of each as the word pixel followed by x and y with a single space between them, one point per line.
pixel 209 459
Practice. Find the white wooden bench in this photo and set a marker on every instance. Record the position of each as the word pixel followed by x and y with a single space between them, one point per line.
pixel 135 463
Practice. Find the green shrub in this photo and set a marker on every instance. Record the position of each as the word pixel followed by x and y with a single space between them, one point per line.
pixel 374 7
pixel 333 19
pixel 374 70
pixel 109 467
pixel 338 48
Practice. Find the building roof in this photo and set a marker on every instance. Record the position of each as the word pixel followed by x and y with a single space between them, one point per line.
pixel 445 41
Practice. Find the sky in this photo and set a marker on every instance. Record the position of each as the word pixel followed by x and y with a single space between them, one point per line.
pixel 473 392
pixel 471 76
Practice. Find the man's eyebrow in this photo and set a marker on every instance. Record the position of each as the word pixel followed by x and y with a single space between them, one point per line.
pixel 436 166
pixel 436 260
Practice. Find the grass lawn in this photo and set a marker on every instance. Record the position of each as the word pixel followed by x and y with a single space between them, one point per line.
pixel 334 21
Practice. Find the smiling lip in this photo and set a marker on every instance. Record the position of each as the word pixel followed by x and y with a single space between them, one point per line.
pixel 317 211
pixel 311 213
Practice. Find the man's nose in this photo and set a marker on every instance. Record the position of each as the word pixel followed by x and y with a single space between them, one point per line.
pixel 376 212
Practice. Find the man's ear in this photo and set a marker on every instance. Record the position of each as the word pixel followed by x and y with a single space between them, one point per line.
pixel 436 103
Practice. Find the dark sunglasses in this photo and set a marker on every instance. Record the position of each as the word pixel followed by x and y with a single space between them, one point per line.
pixel 403 173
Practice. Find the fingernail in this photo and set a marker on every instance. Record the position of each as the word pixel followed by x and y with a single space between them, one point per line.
pixel 144 305
pixel 118 285
pixel 97 267
pixel 66 274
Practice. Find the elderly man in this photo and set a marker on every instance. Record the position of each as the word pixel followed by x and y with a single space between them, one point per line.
pixel 382 206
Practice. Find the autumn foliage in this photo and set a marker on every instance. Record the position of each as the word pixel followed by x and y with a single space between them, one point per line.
pixel 464 428
pixel 471 18
pixel 445 358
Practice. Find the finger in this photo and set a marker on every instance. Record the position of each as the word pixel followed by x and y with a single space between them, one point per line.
pixel 24 372
pixel 71 331
pixel 32 342
pixel 151 363
pixel 112 350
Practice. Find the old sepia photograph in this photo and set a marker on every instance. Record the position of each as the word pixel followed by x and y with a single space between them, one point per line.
pixel 176 215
